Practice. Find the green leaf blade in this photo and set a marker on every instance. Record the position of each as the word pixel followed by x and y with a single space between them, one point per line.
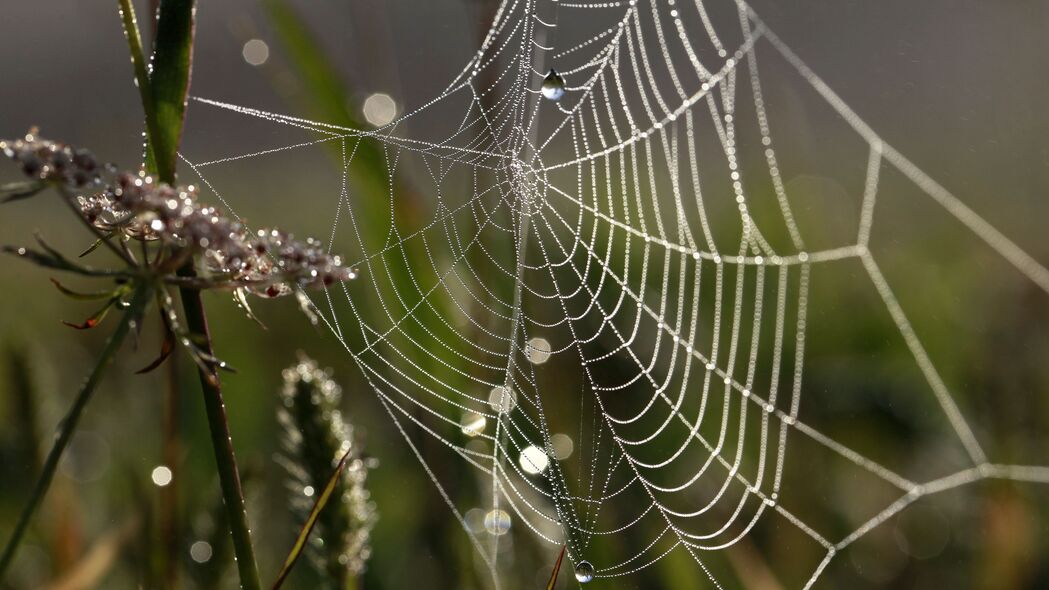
pixel 169 81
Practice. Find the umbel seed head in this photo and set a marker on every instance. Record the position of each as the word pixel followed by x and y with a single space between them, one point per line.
pixel 136 206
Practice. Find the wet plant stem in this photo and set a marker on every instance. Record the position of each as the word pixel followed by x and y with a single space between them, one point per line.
pixel 221 441
pixel 163 92
pixel 141 69
pixel 140 298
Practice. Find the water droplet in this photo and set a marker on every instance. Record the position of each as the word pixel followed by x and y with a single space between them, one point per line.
pixel 472 424
pixel 380 109
pixel 562 446
pixel 161 476
pixel 256 52
pixel 502 400
pixel 497 522
pixel 474 518
pixel 200 551
pixel 553 86
pixel 534 460
pixel 538 350
pixel 584 572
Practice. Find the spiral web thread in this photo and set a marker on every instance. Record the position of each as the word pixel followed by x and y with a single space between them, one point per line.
pixel 593 209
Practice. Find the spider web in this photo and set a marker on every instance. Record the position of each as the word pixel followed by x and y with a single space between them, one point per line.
pixel 614 236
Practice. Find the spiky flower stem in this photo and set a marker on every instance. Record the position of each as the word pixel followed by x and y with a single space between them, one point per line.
pixel 316 441
pixel 67 427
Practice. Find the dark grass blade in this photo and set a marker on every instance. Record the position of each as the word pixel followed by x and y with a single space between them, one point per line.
pixel 311 521
pixel 557 568
pixel 95 318
pixel 67 427
pixel 165 351
pixel 94 246
pixel 16 191
pixel 25 398
pixel 82 296
pixel 165 110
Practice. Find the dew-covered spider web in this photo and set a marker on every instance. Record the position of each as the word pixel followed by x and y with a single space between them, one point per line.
pixel 595 295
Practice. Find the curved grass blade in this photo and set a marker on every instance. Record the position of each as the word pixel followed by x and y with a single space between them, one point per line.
pixel 327 98
pixel 94 246
pixel 95 318
pixel 17 191
pixel 165 351
pixel 311 521
pixel 240 296
pixel 83 296
pixel 557 568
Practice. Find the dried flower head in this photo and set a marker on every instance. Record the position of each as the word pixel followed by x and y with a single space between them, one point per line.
pixel 315 439
pixel 130 205
pixel 52 161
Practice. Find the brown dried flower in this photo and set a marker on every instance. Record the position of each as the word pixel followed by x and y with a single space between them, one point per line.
pixel 267 262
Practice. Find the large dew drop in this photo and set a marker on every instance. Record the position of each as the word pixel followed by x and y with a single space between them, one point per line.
pixel 584 572
pixel 534 460
pixel 502 400
pixel 497 522
pixel 538 350
pixel 553 86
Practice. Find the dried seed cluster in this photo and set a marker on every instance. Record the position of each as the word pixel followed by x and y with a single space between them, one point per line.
pixel 47 160
pixel 267 262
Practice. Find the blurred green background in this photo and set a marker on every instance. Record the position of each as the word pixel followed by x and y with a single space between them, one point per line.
pixel 959 87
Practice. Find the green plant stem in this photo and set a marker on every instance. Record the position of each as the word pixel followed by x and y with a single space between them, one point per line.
pixel 169 81
pixel 229 476
pixel 163 94
pixel 139 300
pixel 145 92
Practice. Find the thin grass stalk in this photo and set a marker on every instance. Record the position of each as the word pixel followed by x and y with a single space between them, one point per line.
pixel 311 521
pixel 67 427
